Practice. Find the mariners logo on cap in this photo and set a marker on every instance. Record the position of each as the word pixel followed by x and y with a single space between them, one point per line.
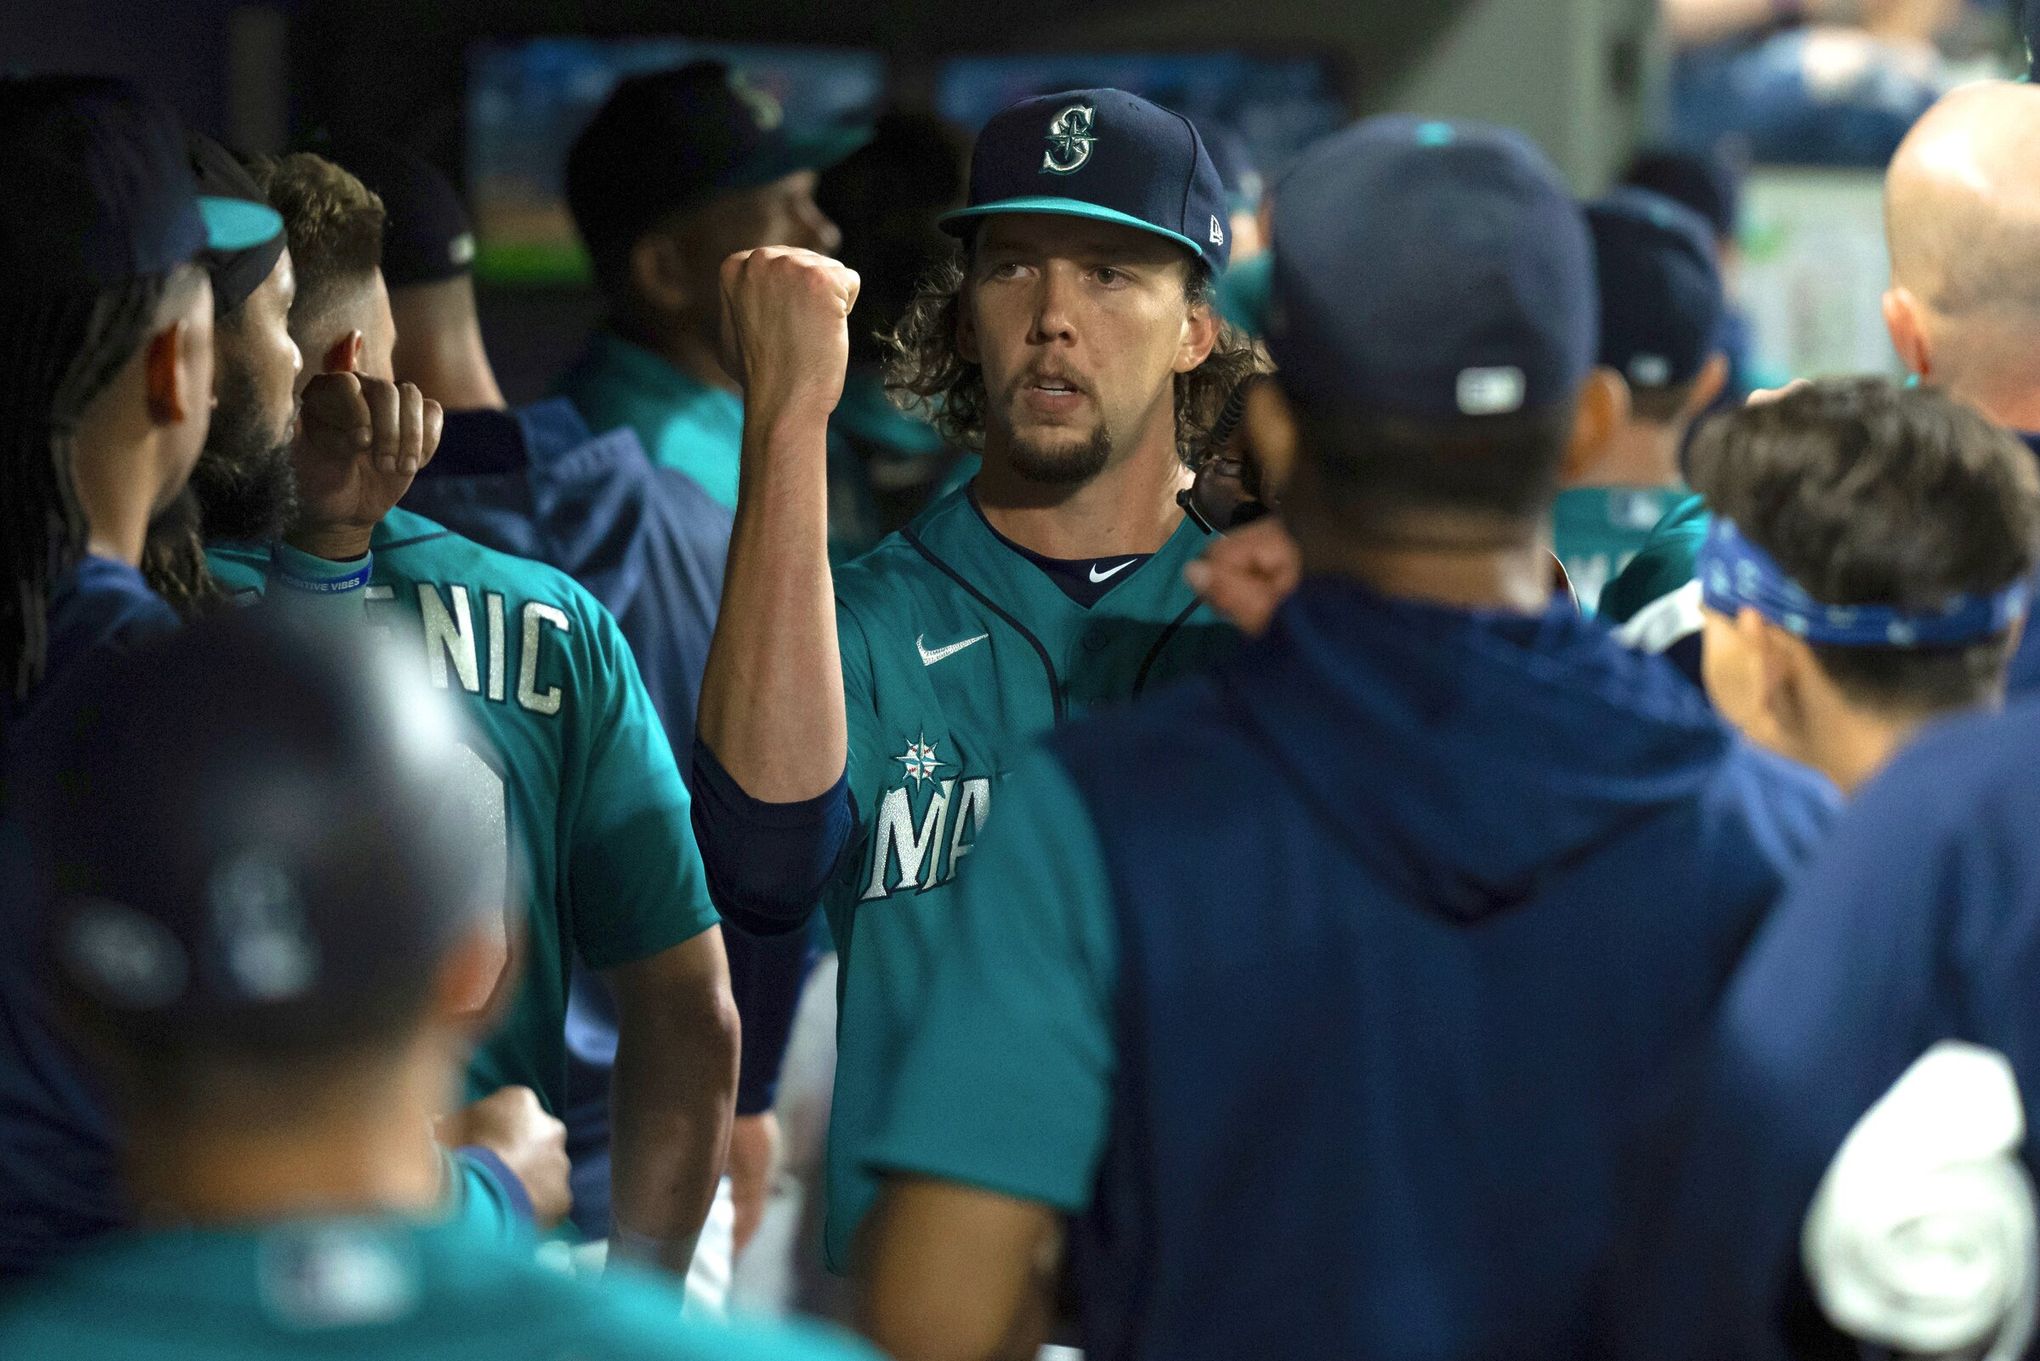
pixel 1070 140
pixel 766 110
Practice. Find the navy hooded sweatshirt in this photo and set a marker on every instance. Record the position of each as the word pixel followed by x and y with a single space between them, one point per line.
pixel 1332 993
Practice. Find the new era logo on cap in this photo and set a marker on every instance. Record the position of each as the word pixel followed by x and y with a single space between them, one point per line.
pixel 1491 392
pixel 1217 233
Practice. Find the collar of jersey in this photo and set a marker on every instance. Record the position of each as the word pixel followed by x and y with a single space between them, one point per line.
pixel 956 532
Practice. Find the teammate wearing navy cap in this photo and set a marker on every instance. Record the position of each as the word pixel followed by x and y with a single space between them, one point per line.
pixel 677 170
pixel 106 376
pixel 108 362
pixel 269 920
pixel 1321 992
pixel 854 728
pixel 574 757
pixel 1661 307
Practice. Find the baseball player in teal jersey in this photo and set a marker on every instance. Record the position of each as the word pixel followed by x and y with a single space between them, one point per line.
pixel 277 992
pixel 576 760
pixel 1661 308
pixel 854 729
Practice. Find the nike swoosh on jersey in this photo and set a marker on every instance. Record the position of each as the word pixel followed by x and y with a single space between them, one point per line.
pixel 930 657
pixel 1098 576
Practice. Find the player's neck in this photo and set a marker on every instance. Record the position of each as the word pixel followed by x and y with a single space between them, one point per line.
pixel 1850 745
pixel 1458 562
pixel 1642 454
pixel 453 374
pixel 358 1146
pixel 687 348
pixel 1130 507
pixel 115 489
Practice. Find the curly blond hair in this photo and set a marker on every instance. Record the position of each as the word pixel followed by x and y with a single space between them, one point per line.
pixel 926 376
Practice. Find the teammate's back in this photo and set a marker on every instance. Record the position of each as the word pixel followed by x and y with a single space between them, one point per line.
pixel 1454 996
pixel 376 1289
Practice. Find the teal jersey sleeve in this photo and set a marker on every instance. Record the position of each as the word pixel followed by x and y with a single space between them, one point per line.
pixel 1007 1083
pixel 1664 563
pixel 477 1203
pixel 636 874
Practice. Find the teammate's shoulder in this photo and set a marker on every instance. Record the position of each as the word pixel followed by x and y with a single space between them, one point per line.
pixel 408 544
pixel 635 1318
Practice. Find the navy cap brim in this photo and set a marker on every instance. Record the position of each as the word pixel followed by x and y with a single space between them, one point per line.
pixel 955 222
pixel 820 149
pixel 233 224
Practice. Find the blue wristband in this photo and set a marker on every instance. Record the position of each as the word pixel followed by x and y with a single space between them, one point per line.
pixel 302 572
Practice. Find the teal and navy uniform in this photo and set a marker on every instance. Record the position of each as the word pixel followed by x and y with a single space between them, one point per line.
pixel 577 760
pixel 1329 990
pixel 687 425
pixel 957 646
pixel 382 1289
pixel 1597 530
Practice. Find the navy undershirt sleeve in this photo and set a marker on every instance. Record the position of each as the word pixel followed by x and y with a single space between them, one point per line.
pixel 767 862
pixel 767 974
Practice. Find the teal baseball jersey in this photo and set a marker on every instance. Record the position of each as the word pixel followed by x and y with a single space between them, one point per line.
pixel 382 1289
pixel 956 649
pixel 1597 530
pixel 577 763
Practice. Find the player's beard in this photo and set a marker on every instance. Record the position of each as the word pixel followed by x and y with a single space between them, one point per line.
pixel 244 480
pixel 1062 465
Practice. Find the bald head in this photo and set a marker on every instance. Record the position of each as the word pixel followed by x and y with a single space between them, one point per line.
pixel 1962 202
pixel 1962 217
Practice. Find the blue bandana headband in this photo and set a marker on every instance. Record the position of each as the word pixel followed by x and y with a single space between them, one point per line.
pixel 1735 574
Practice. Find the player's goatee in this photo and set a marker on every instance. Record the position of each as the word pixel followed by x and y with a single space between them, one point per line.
pixel 1061 465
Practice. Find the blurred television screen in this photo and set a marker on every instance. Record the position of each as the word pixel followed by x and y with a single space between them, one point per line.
pixel 1277 104
pixel 1814 271
pixel 527 101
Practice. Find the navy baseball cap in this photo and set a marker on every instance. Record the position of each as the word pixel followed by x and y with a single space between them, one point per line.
pixel 427 235
pixel 1105 155
pixel 1432 270
pixel 257 829
pixel 1703 182
pixel 95 189
pixel 1661 295
pixel 668 140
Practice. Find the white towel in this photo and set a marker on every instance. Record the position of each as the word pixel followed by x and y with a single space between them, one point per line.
pixel 1921 1237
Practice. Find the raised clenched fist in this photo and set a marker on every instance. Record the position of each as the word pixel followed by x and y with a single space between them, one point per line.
pixel 360 442
pixel 786 327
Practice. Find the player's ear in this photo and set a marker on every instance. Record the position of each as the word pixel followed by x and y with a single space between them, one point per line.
pixel 167 370
pixel 1906 321
pixel 344 354
pixel 1200 334
pixel 1602 411
pixel 658 273
pixel 1707 387
pixel 1787 673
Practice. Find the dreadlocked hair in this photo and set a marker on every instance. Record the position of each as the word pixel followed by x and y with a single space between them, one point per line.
pixel 174 564
pixel 925 375
pixel 58 351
